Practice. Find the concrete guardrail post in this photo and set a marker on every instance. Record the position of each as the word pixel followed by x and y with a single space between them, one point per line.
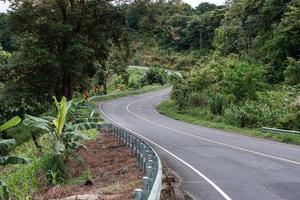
pixel 146 187
pixel 149 174
pixel 138 194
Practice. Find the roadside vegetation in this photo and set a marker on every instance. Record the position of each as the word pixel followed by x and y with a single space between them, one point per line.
pixel 239 62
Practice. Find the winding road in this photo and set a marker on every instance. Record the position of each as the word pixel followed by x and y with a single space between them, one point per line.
pixel 213 164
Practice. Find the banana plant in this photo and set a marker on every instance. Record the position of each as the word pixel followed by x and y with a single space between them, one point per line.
pixel 10 123
pixel 5 145
pixel 66 128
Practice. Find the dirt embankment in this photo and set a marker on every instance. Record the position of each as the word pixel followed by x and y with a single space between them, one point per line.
pixel 106 170
pixel 112 167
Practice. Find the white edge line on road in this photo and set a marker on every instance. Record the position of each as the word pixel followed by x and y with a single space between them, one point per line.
pixel 185 163
pixel 205 139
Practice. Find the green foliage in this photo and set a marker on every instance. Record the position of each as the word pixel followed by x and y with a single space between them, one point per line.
pixel 10 123
pixel 5 34
pixel 292 119
pixel 244 79
pixel 54 168
pixel 202 116
pixel 155 75
pixel 5 146
pixel 4 57
pixel 205 7
pixel 234 91
pixel 57 47
pixel 217 103
pixel 63 130
pixel 292 72
pixel 87 177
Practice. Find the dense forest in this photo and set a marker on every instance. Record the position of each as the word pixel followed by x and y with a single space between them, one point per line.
pixel 239 65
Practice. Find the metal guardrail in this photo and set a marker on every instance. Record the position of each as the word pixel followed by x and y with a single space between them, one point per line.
pixel 276 130
pixel 147 158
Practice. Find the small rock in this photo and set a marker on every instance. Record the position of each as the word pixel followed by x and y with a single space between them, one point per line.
pixel 122 170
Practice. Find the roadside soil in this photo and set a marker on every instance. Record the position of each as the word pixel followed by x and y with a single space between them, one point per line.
pixel 114 174
pixel 113 169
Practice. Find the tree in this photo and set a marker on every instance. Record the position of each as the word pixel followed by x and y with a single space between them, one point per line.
pixel 199 32
pixel 58 44
pixel 116 64
pixel 205 7
pixel 5 34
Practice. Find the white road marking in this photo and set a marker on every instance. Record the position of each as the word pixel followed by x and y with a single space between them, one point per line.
pixel 205 139
pixel 176 157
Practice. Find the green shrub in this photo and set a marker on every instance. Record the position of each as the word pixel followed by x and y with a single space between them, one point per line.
pixel 292 72
pixel 198 99
pixel 217 102
pixel 54 168
pixel 174 78
pixel 251 114
pixel 236 116
pixel 154 75
pixel 180 94
pixel 292 119
pixel 244 80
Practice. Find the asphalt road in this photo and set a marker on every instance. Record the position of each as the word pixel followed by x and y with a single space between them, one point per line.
pixel 213 164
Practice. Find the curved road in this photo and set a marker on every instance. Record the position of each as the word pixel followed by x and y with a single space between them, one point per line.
pixel 213 164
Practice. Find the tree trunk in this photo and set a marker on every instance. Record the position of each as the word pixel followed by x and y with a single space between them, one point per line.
pixel 104 87
pixel 67 86
pixel 34 138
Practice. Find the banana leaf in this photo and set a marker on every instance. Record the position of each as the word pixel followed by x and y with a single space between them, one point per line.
pixel 75 136
pixel 38 123
pixel 11 160
pixel 86 125
pixel 10 123
pixel 6 144
pixel 86 119
pixel 59 122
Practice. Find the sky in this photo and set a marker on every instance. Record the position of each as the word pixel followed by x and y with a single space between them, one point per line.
pixel 193 3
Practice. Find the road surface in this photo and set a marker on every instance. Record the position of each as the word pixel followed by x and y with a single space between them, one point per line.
pixel 213 164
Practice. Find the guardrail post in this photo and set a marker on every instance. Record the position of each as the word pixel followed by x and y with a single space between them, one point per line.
pixel 149 174
pixel 138 194
pixel 146 187
pixel 124 137
pixel 137 143
pixel 128 140
pixel 141 155
pixel 110 127
pixel 133 143
pixel 146 157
